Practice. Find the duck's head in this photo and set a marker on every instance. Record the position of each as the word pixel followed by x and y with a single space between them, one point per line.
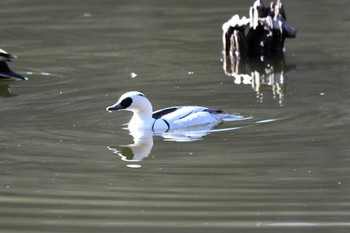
pixel 132 101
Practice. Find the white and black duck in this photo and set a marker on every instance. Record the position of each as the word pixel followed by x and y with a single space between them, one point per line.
pixel 166 119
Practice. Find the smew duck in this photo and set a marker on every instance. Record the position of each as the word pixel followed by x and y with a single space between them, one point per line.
pixel 166 119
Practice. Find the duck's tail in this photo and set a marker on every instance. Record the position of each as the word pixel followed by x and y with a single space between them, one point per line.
pixel 231 117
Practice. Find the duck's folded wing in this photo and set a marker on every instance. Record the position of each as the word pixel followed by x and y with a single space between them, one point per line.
pixel 183 112
pixel 195 119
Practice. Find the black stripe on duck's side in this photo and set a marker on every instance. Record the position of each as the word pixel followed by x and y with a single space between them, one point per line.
pixel 215 111
pixel 210 110
pixel 165 121
pixel 187 114
pixel 167 124
pixel 158 114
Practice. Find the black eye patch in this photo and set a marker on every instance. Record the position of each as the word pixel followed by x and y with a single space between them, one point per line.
pixel 126 102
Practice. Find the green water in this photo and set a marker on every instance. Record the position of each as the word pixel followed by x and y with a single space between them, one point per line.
pixel 285 169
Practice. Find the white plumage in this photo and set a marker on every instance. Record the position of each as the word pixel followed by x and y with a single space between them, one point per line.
pixel 168 118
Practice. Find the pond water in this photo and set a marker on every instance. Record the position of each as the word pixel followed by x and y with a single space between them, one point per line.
pixel 67 165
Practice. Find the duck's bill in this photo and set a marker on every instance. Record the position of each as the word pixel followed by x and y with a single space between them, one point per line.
pixel 114 107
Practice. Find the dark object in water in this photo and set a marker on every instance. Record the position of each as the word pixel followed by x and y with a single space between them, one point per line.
pixel 264 76
pixel 267 32
pixel 5 71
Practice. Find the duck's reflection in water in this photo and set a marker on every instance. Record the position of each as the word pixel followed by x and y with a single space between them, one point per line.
pixel 137 151
pixel 262 74
pixel 143 141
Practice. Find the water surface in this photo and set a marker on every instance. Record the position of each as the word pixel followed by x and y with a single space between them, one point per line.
pixel 284 169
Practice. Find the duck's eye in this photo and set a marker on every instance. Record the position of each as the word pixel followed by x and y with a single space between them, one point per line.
pixel 126 102
pixel 141 95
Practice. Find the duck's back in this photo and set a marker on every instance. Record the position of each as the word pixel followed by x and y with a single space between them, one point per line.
pixel 187 116
pixel 162 112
